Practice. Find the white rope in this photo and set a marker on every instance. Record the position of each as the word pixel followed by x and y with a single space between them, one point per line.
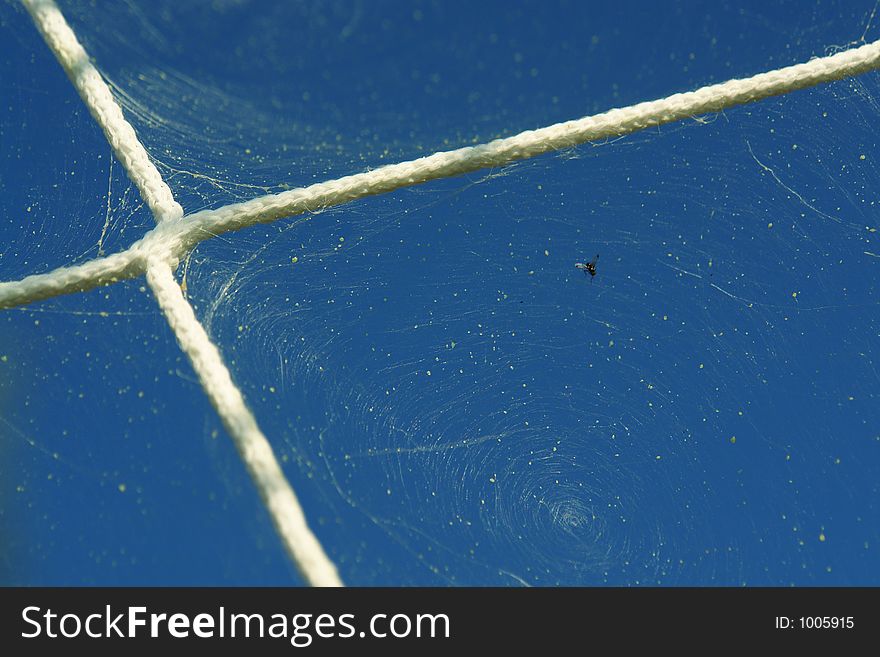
pixel 127 264
pixel 98 98
pixel 101 271
pixel 179 236
pixel 152 256
pixel 256 452
pixel 613 123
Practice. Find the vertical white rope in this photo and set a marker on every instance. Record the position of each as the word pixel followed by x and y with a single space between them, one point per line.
pixel 301 544
pixel 104 108
pixel 256 452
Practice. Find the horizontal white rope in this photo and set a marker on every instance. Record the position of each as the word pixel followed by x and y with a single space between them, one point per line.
pixel 613 123
pixel 127 264
pixel 95 273
pixel 180 235
pixel 104 108
pixel 256 452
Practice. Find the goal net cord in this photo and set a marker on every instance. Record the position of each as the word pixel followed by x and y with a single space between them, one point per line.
pixel 159 251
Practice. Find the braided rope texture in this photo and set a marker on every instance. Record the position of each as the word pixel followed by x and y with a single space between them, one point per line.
pixel 290 522
pixel 105 110
pixel 179 234
pixel 152 256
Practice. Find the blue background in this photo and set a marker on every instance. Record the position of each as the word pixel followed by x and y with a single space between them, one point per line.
pixel 453 401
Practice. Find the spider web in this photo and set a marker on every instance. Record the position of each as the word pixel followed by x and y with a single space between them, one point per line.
pixel 451 400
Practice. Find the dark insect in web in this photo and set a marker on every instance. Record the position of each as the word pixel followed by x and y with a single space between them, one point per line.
pixel 588 268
